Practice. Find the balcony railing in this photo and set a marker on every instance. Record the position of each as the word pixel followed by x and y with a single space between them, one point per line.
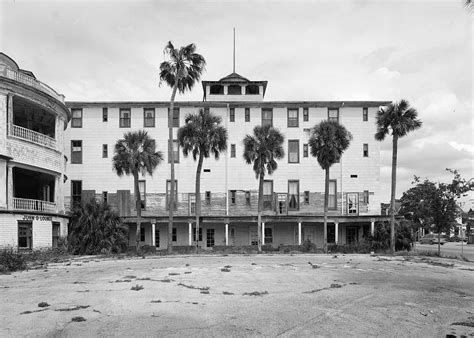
pixel 33 136
pixel 28 80
pixel 34 205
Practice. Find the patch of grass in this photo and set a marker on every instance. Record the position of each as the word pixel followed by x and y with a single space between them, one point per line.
pixel 173 274
pixel 187 272
pixel 78 319
pixel 43 304
pixel 130 277
pixel 255 293
pixel 75 308
pixel 144 278
pixel 137 287
pixel 205 292
pixel 225 270
pixel 205 288
pixel 28 312
pixel 156 301
pixel 123 281
pixel 227 293
pixel 11 261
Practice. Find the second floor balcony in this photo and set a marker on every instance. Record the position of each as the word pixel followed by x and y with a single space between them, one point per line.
pixel 32 136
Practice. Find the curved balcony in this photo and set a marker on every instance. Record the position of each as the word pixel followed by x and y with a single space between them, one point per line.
pixel 32 136
pixel 33 205
pixel 32 82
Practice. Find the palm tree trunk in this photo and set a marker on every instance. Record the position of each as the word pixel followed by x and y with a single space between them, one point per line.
pixel 392 196
pixel 138 206
pixel 198 196
pixel 260 208
pixel 326 202
pixel 439 245
pixel 171 200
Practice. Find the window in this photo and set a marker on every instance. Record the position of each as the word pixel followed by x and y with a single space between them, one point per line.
pixel 56 233
pixel 105 114
pixel 216 89
pixel 332 204
pixel 209 238
pixel 331 233
pixel 125 118
pixel 25 235
pixel 267 117
pixel 247 114
pixel 293 195
pixel 208 197
pixel 267 194
pixel 142 234
pixel 232 196
pixel 234 90
pixel 333 114
pixel 192 204
pixel 366 150
pixel 175 117
pixel 293 151
pixel 175 152
pixel 252 90
pixel 105 151
pixel 305 114
pixel 104 196
pixel 268 235
pixel 232 114
pixel 232 150
pixel 148 117
pixel 174 235
pixel 365 114
pixel 352 203
pixel 247 197
pixel 142 188
pixel 76 192
pixel 76 152
pixel 157 238
pixel 76 121
pixel 366 196
pixel 306 197
pixel 168 190
pixel 305 150
pixel 199 235
pixel 292 117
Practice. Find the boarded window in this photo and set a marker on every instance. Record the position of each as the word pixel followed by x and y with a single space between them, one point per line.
pixel 76 152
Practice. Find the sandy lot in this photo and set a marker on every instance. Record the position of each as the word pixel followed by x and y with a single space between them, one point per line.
pixel 255 295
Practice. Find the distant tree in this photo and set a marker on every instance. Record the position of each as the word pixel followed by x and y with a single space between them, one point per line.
pixel 397 119
pixel 433 205
pixel 96 228
pixel 181 71
pixel 328 141
pixel 262 149
pixel 135 154
pixel 202 136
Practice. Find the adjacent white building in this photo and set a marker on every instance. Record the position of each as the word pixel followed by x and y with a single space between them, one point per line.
pixel 33 117
pixel 294 194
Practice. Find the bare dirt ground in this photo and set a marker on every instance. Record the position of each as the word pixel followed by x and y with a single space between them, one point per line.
pixel 241 295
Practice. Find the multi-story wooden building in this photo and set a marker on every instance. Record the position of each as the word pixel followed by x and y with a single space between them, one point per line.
pixel 294 194
pixel 33 117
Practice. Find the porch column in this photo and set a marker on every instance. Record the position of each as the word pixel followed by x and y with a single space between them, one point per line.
pixel 10 188
pixel 372 227
pixel 226 234
pixel 190 233
pixel 263 233
pixel 336 232
pixel 153 234
pixel 299 233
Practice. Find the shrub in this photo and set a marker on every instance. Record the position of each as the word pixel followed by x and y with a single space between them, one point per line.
pixel 381 238
pixel 11 260
pixel 95 229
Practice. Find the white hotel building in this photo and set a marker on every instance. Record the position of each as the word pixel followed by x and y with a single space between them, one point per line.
pixel 33 118
pixel 294 194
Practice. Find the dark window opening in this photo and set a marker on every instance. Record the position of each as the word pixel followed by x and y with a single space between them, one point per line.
pixel 247 197
pixel 305 150
pixel 210 238
pixel 267 117
pixel 306 197
pixel 247 114
pixel 216 89
pixel 76 192
pixel 208 197
pixel 76 152
pixel 234 90
pixel 199 235
pixel 305 114
pixel 331 233
pixel 232 115
pixel 56 233
pixel 157 238
pixel 32 185
pixel 174 235
pixel 268 235
pixel 25 235
pixel 333 114
pixel 29 115
pixel 142 234
pixel 105 151
pixel 105 196
pixel 232 150
pixel 365 114
pixel 105 114
pixel 252 90
pixel 366 150
pixel 232 196
pixel 175 118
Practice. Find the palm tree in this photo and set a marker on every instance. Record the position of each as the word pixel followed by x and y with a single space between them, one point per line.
pixel 202 136
pixel 262 149
pixel 180 71
pixel 328 141
pixel 96 228
pixel 135 154
pixel 398 118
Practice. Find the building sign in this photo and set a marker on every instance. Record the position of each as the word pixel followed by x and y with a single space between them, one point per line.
pixel 37 218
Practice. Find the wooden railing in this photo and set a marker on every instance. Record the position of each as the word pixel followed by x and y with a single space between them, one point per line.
pixel 33 136
pixel 34 205
pixel 30 81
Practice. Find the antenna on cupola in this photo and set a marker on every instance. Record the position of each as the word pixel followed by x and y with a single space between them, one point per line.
pixel 234 53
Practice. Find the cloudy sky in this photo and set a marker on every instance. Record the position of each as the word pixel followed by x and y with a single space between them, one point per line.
pixel 307 50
